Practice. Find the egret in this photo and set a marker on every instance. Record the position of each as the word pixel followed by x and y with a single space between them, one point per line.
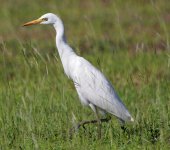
pixel 93 88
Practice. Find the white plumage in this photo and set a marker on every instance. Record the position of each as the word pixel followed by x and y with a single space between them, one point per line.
pixel 93 88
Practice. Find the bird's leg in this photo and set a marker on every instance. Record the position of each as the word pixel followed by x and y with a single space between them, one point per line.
pixel 83 123
pixel 99 124
pixel 94 108
pixel 99 121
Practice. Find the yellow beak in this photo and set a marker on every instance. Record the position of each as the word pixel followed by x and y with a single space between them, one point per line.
pixel 37 21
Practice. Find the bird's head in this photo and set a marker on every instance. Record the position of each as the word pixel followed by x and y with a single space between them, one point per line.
pixel 48 18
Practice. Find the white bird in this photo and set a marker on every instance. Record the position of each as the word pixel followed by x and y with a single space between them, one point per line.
pixel 92 86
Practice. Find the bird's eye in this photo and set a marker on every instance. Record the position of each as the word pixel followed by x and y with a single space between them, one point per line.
pixel 45 19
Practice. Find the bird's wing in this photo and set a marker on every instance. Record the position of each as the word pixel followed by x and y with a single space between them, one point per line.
pixel 93 86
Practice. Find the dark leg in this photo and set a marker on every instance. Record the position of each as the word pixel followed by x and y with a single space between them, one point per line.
pixel 85 122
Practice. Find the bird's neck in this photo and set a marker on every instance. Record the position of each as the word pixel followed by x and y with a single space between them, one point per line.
pixel 61 43
pixel 64 50
pixel 60 37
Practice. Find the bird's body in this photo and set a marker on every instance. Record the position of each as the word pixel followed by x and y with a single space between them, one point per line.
pixel 93 88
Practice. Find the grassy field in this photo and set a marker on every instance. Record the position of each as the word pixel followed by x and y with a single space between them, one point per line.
pixel 128 40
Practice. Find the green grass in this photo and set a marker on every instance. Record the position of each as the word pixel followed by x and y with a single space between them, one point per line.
pixel 128 41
